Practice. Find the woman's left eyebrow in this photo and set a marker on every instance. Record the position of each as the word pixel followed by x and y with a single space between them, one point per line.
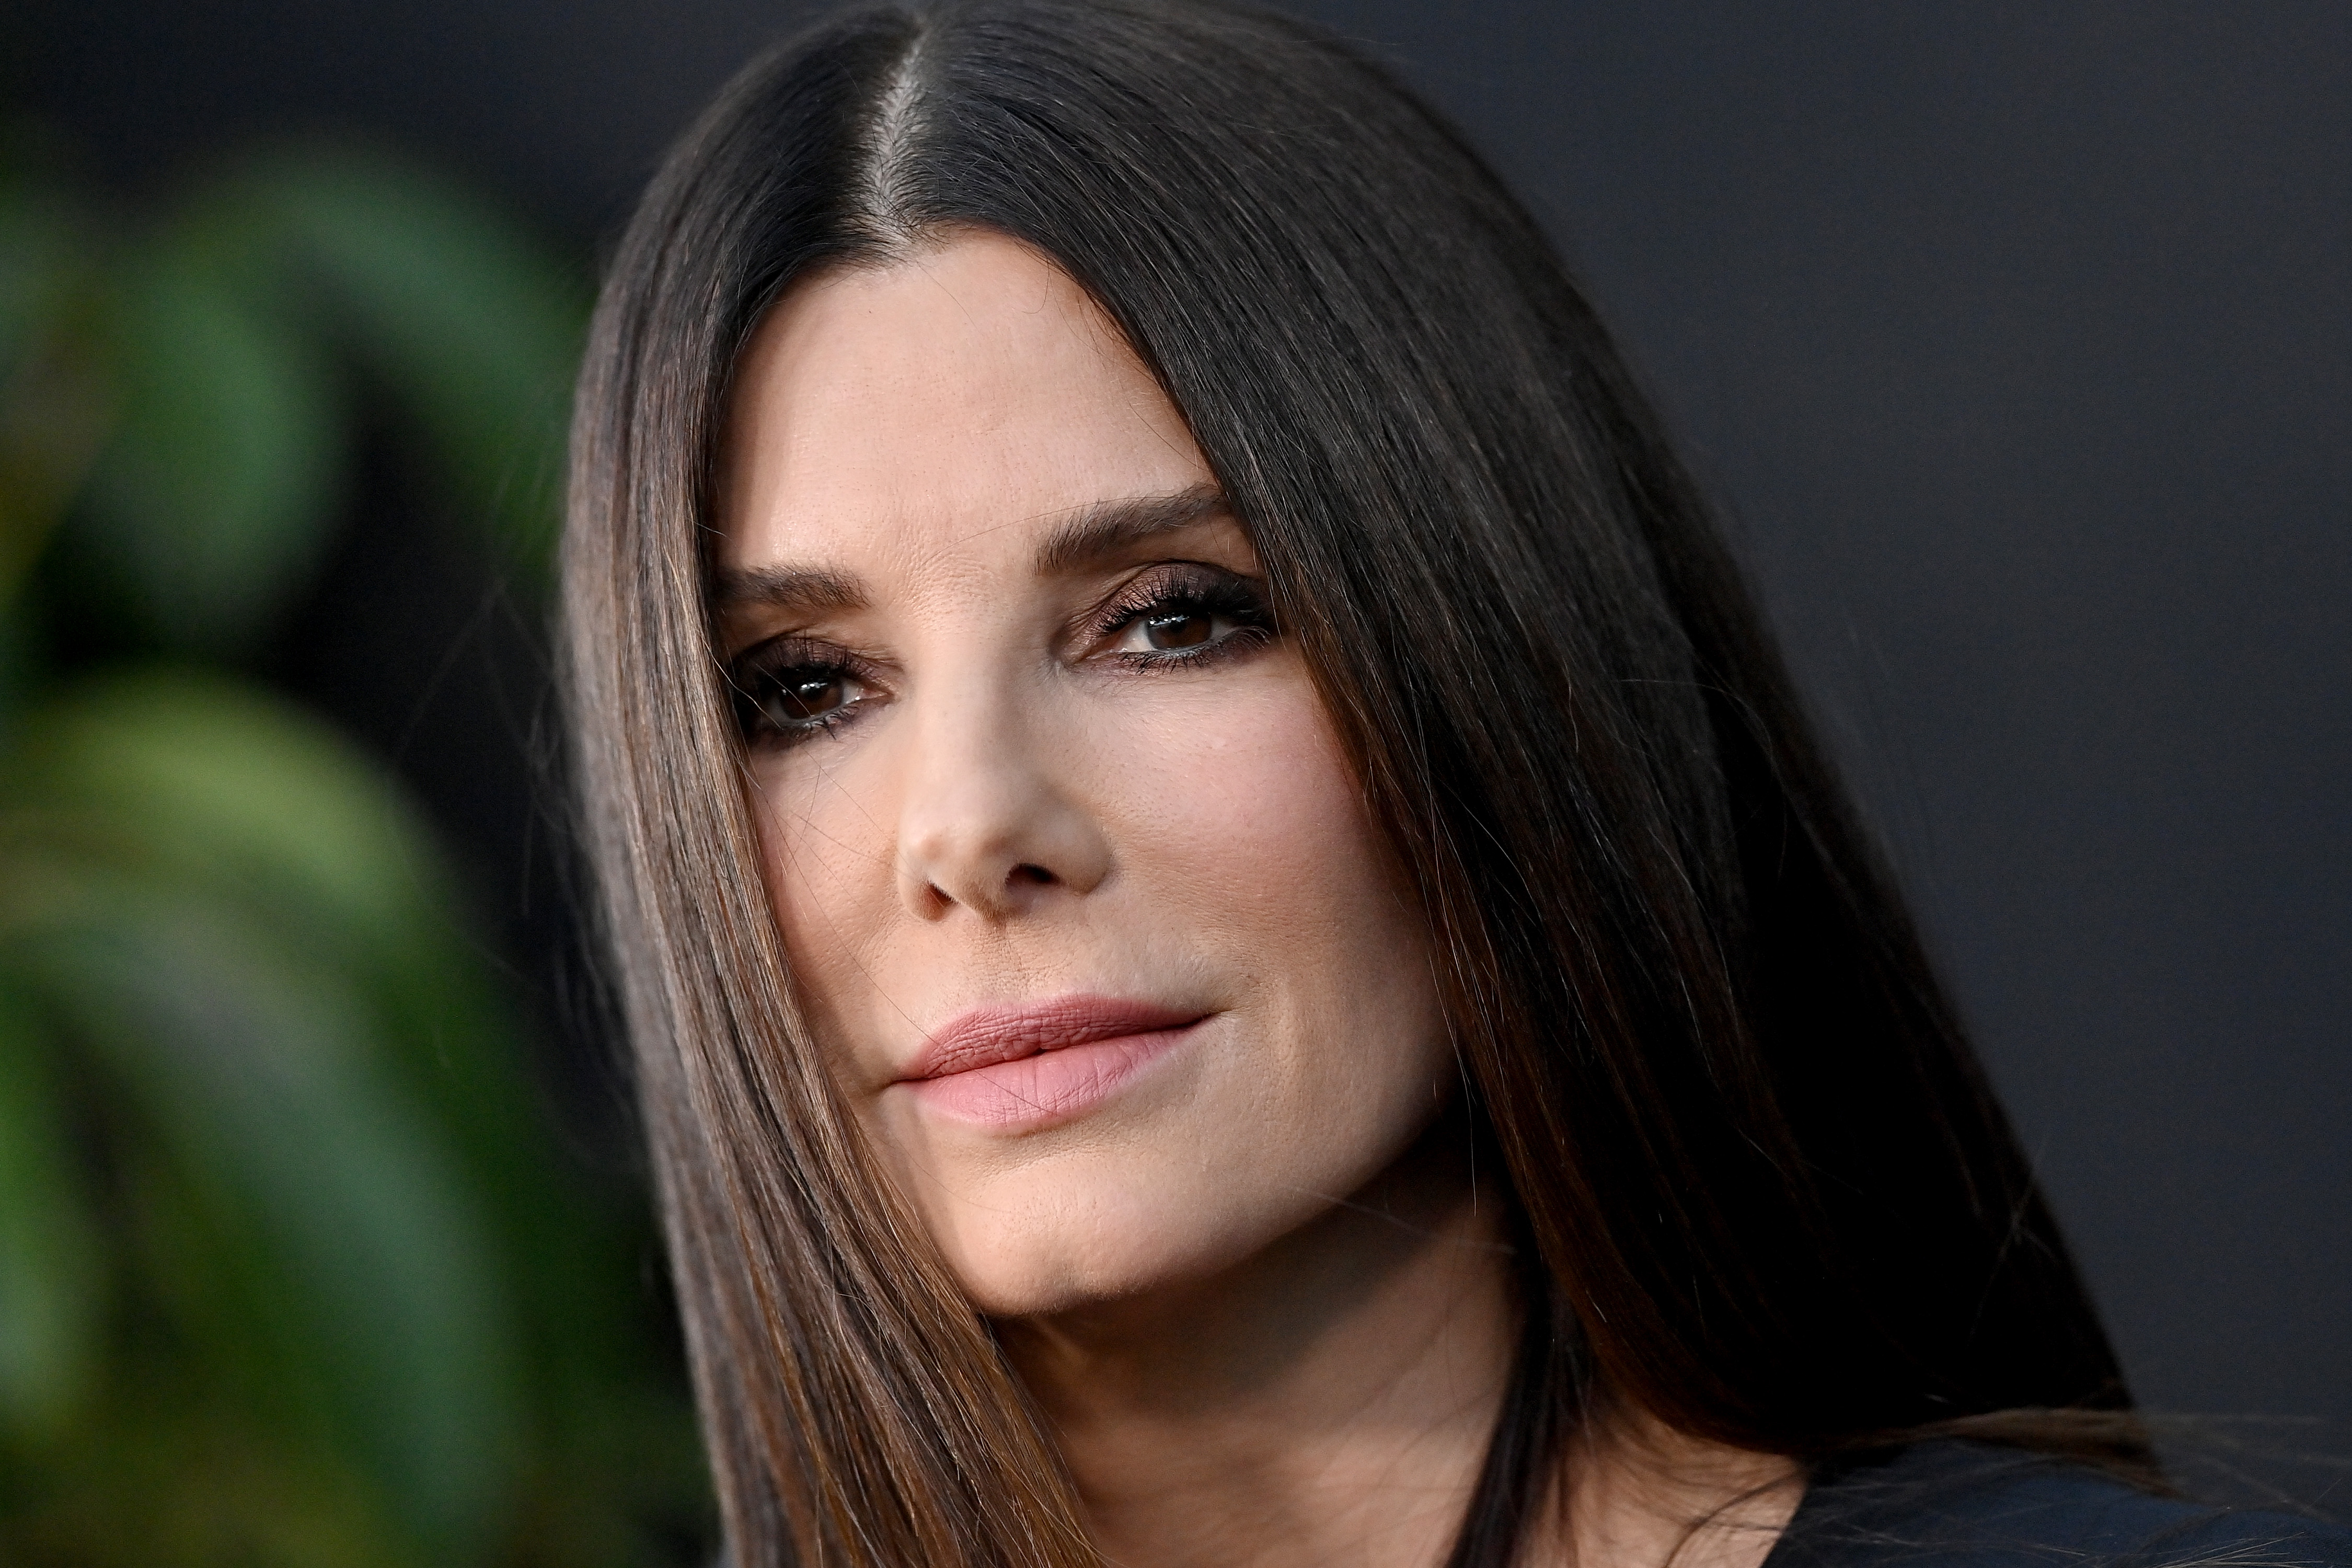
pixel 1097 532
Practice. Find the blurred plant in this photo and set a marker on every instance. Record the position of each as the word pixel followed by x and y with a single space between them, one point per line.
pixel 290 1270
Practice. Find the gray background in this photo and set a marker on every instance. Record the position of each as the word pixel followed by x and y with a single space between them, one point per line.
pixel 2016 341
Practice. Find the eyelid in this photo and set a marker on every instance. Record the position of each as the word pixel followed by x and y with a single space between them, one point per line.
pixel 1154 583
pixel 784 649
pixel 1159 582
pixel 770 657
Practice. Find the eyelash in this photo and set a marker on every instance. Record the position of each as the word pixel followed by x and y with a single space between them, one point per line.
pixel 761 674
pixel 1183 586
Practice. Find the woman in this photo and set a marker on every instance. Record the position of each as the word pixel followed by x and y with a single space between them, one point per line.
pixel 1237 949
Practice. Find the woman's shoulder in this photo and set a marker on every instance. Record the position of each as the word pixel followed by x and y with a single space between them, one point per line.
pixel 1973 1505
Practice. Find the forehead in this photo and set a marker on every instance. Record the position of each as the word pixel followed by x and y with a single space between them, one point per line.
pixel 960 401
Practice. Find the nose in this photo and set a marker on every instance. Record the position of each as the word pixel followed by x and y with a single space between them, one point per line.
pixel 988 822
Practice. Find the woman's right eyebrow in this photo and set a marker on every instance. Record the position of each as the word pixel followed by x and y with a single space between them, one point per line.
pixel 795 588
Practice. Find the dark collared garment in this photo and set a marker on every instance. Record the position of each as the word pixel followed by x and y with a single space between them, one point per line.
pixel 1971 1505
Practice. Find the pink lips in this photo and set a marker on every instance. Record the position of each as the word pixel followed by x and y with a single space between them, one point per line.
pixel 1027 1067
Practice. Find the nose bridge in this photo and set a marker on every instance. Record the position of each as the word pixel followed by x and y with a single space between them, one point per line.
pixel 985 825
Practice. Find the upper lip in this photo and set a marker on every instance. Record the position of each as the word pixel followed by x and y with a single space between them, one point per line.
pixel 1000 1033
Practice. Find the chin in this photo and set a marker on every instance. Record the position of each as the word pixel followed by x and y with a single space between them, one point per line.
pixel 1110 1250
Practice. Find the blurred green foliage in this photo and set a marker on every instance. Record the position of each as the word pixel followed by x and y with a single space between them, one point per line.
pixel 292 1269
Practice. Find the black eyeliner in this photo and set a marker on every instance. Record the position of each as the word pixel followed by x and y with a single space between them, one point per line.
pixel 1184 583
pixel 756 676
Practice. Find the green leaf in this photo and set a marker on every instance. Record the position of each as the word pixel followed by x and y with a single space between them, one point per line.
pixel 36 252
pixel 339 1298
pixel 376 1282
pixel 200 781
pixel 213 499
pixel 191 782
pixel 52 401
pixel 239 916
pixel 49 1254
pixel 451 306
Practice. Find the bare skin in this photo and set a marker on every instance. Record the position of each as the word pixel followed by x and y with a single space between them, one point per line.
pixel 1022 733
pixel 1326 1401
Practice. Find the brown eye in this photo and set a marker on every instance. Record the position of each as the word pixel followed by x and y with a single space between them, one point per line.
pixel 1185 613
pixel 801 696
pixel 795 700
pixel 1172 631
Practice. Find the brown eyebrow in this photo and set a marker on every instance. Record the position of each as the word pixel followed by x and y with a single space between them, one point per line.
pixel 1106 528
pixel 797 588
pixel 1087 537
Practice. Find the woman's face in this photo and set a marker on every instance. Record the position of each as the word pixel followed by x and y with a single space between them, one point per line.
pixel 1075 883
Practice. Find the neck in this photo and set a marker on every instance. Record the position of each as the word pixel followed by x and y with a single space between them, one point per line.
pixel 1330 1400
pixel 1642 1495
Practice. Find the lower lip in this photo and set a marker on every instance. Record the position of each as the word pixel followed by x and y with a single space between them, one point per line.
pixel 1048 1089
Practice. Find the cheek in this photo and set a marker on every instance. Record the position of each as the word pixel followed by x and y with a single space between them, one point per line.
pixel 826 857
pixel 1245 814
pixel 1247 846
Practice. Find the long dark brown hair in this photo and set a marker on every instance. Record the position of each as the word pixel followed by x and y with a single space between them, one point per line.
pixel 1761 1189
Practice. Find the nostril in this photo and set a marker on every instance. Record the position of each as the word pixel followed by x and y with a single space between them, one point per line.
pixel 1036 875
